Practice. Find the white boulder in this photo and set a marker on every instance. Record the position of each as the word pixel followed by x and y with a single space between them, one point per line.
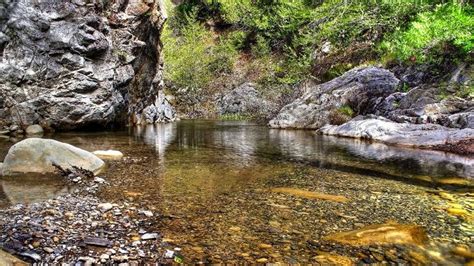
pixel 35 155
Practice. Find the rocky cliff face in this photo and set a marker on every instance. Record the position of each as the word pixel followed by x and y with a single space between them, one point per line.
pixel 81 63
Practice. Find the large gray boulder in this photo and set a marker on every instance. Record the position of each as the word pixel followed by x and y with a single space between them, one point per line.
pixel 360 89
pixel 76 63
pixel 243 100
pixel 35 155
pixel 431 136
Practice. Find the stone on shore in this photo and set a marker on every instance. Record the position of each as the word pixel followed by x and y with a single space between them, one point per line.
pixel 405 134
pixel 104 207
pixel 108 155
pixel 35 155
pixel 34 130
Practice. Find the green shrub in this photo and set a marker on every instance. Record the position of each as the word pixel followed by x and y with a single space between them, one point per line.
pixel 234 117
pixel 426 37
pixel 347 110
pixel 193 58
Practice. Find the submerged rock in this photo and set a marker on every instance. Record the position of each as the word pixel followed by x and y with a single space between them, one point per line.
pixel 108 155
pixel 325 258
pixel 358 89
pixel 389 233
pixel 405 134
pixel 309 194
pixel 36 155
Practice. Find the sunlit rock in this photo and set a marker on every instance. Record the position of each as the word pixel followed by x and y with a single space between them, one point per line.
pixel 389 233
pixel 35 155
pixel 108 155
pixel 405 134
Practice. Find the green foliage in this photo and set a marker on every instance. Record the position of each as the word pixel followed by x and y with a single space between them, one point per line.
pixel 194 58
pixel 234 117
pixel 291 30
pixel 277 43
pixel 346 110
pixel 426 37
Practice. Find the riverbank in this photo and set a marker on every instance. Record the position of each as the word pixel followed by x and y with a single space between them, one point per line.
pixel 79 227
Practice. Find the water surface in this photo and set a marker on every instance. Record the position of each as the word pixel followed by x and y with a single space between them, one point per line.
pixel 210 184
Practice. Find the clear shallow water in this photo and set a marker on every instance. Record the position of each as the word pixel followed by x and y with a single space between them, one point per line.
pixel 209 183
pixel 227 146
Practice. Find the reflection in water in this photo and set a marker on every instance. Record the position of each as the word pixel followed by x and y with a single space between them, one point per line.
pixel 374 156
pixel 428 162
pixel 211 153
pixel 30 188
pixel 158 136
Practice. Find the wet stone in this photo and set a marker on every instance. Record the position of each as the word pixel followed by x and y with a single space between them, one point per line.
pixel 95 241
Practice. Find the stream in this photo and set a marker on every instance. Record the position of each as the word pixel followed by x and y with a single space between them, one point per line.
pixel 225 190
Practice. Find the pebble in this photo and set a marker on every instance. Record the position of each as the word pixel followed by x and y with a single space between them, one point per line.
pixel 31 255
pixel 99 180
pixel 48 250
pixel 105 206
pixel 148 213
pixel 104 257
pixel 95 241
pixel 149 236
pixel 169 254
pixel 264 246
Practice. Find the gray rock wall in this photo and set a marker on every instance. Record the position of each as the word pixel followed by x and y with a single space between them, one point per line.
pixel 81 63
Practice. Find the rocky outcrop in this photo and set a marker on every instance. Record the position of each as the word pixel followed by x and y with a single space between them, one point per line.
pixel 76 63
pixel 405 134
pixel 438 103
pixel 35 155
pixel 243 100
pixel 427 116
pixel 360 89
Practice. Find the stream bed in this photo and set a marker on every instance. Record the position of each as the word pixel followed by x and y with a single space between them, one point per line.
pixel 233 191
